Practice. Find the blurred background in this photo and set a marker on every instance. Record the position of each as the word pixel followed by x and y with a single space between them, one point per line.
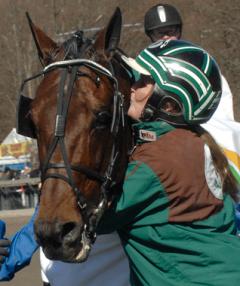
pixel 213 24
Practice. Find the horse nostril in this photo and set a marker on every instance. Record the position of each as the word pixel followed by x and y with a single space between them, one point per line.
pixel 68 229
pixel 58 235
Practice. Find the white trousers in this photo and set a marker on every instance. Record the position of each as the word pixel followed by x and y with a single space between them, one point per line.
pixel 107 265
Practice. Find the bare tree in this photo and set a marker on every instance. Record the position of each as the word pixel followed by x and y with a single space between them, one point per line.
pixel 206 23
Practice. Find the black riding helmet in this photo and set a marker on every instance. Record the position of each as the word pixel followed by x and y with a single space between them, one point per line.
pixel 184 74
pixel 162 15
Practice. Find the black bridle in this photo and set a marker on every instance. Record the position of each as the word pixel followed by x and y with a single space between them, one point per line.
pixel 75 48
pixel 107 181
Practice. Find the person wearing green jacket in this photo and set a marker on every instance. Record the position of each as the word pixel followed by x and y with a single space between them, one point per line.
pixel 175 216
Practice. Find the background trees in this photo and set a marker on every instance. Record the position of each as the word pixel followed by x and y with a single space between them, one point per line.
pixel 211 23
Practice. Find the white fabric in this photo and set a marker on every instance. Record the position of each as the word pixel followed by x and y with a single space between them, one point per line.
pixel 107 265
pixel 227 135
pixel 225 130
pixel 213 179
pixel 225 107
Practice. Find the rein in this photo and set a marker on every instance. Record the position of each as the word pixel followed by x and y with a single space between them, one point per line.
pixel 107 181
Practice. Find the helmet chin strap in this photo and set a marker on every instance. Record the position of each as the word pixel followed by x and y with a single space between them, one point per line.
pixel 153 110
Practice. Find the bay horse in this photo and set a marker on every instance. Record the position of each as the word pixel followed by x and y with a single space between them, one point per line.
pixel 78 118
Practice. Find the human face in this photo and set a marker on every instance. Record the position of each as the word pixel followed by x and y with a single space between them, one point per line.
pixel 165 33
pixel 140 92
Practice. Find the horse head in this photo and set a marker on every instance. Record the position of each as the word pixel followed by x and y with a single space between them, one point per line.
pixel 78 116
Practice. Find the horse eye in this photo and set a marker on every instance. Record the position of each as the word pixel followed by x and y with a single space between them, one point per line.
pixel 103 119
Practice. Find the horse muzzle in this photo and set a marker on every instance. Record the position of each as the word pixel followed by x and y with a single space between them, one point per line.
pixel 66 242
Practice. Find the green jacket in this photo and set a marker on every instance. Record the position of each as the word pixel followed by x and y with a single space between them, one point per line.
pixel 175 229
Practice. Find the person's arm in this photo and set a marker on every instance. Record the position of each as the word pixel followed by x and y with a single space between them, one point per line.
pixel 142 195
pixel 22 248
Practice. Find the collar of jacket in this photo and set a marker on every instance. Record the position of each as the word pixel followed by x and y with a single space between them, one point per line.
pixel 150 131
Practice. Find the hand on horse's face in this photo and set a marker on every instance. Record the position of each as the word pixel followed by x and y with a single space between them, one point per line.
pixel 4 244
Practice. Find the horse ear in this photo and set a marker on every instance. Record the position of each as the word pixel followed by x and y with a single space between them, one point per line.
pixel 108 39
pixel 43 43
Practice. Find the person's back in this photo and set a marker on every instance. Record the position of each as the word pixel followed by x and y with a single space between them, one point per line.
pixel 182 222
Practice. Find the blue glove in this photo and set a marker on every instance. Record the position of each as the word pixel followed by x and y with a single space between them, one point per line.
pixel 23 246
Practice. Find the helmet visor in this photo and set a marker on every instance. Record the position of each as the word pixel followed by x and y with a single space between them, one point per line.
pixel 132 63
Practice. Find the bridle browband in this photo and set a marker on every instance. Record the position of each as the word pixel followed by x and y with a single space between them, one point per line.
pixel 107 181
